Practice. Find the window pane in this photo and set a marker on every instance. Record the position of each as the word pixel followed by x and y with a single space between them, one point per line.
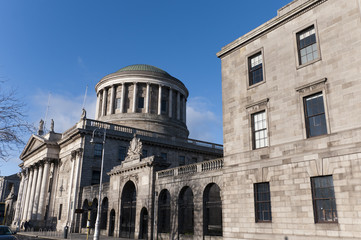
pixel 255 69
pixel 323 196
pixel 315 115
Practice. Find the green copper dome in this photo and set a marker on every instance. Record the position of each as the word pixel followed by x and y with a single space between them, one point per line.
pixel 143 68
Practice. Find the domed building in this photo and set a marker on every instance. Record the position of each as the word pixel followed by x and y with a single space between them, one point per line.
pixel 140 134
pixel 143 96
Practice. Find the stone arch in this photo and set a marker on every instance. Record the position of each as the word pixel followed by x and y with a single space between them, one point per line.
pixel 128 210
pixel 93 213
pixel 104 214
pixel 186 211
pixel 143 225
pixel 111 222
pixel 84 216
pixel 164 211
pixel 212 210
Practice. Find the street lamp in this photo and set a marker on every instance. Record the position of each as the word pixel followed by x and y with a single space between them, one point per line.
pixel 97 222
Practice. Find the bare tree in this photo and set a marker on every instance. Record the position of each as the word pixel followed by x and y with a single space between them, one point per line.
pixel 12 123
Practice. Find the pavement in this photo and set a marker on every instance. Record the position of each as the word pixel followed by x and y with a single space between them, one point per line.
pixel 60 235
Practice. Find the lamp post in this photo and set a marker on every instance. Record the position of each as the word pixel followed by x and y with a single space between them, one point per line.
pixel 97 222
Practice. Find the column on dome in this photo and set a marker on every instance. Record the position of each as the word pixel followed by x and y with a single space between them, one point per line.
pixel 44 187
pixel 32 193
pixel 104 103
pixel 184 109
pixel 134 98
pixel 178 106
pixel 170 102
pixel 20 199
pixel 122 98
pixel 28 190
pixel 97 106
pixel 112 100
pixel 147 98
pixel 160 100
pixel 37 191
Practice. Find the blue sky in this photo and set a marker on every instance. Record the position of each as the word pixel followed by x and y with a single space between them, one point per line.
pixel 60 47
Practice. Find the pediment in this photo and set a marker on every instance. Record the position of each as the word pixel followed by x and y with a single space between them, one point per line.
pixel 32 145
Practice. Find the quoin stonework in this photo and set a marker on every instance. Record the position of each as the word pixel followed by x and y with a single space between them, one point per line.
pixel 291 163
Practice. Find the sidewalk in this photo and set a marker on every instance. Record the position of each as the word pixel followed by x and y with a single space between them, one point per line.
pixel 72 236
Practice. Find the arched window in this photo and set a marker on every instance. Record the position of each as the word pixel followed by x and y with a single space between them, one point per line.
pixel 186 211
pixel 128 210
pixel 84 217
pixel 164 212
pixel 111 222
pixel 93 214
pixel 212 210
pixel 104 214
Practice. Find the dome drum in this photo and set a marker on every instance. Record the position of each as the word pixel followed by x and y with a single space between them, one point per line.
pixel 139 98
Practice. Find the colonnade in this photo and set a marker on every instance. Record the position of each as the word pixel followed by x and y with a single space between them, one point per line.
pixel 31 203
pixel 102 108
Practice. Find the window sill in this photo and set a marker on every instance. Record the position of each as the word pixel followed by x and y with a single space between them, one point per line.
pixel 255 85
pixel 308 63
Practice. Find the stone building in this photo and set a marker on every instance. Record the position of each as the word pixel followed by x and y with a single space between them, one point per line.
pixel 9 186
pixel 292 162
pixel 292 131
pixel 141 121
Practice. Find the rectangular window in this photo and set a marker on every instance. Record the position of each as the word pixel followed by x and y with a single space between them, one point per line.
pixel 164 156
pixel 255 69
pixel 259 130
pixel 122 153
pixel 307 45
pixel 60 210
pixel 117 103
pixel 315 115
pixel 95 177
pixel 182 160
pixel 145 153
pixel 141 102
pixel 98 148
pixel 262 202
pixel 324 202
pixel 163 106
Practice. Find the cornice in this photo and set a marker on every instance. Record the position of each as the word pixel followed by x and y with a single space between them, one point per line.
pixel 269 26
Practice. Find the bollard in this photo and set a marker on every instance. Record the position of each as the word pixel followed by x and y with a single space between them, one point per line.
pixel 66 232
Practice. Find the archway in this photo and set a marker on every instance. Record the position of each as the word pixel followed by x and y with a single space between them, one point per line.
pixel 93 214
pixel 104 214
pixel 111 222
pixel 186 211
pixel 127 215
pixel 84 217
pixel 164 212
pixel 143 234
pixel 212 210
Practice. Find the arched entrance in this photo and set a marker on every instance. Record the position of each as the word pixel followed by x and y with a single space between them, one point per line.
pixel 111 222
pixel 127 217
pixel 143 234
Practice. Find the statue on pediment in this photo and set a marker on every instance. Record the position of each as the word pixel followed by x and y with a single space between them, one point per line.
pixel 135 147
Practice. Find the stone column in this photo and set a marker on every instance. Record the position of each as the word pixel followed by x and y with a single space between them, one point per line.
pixel 170 103
pixel 134 97
pixel 122 98
pixel 97 106
pixel 184 109
pixel 70 185
pixel 112 99
pixel 37 193
pixel 19 200
pixel 147 98
pixel 105 96
pixel 32 193
pixel 160 100
pixel 178 105
pixel 78 156
pixel 28 190
pixel 44 189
